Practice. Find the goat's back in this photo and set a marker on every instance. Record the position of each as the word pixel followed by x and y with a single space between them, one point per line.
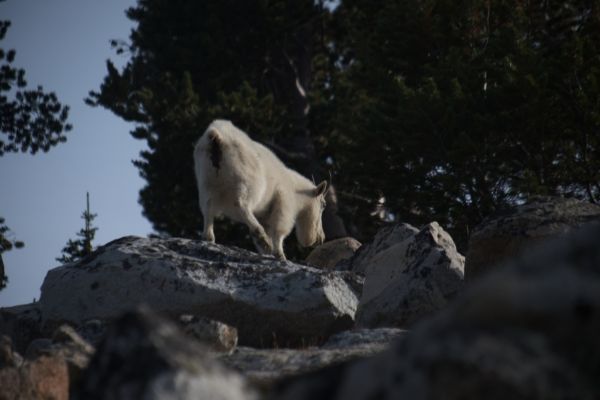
pixel 230 166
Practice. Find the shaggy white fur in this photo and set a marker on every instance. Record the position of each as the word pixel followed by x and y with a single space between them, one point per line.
pixel 243 180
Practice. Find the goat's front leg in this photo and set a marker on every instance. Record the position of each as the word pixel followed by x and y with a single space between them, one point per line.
pixel 278 247
pixel 261 240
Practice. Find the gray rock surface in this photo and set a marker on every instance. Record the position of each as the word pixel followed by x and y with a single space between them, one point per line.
pixel 8 357
pixel 268 301
pixel 21 324
pixel 147 357
pixel 507 234
pixel 92 331
pixel 385 238
pixel 214 334
pixel 375 338
pixel 329 254
pixel 67 345
pixel 266 367
pixel 43 378
pixel 528 330
pixel 411 278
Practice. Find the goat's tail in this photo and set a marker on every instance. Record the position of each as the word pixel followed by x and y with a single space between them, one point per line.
pixel 215 149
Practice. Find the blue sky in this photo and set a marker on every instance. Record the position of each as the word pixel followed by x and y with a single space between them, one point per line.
pixel 63 45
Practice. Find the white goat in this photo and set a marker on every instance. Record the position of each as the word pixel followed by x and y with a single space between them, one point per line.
pixel 243 180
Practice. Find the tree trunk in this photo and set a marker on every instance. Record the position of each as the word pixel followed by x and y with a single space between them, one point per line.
pixel 2 274
pixel 298 84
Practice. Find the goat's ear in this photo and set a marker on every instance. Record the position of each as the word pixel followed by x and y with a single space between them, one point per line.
pixel 321 188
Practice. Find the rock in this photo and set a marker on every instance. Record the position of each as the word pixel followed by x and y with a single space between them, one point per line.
pixel 379 337
pixel 267 367
pixel 268 301
pixel 330 253
pixel 528 330
pixel 37 347
pixel 65 344
pixel 214 334
pixel 147 357
pixel 503 236
pixel 65 334
pixel 385 238
pixel 410 279
pixel 77 352
pixel 44 378
pixel 8 357
pixel 47 377
pixel 92 331
pixel 22 324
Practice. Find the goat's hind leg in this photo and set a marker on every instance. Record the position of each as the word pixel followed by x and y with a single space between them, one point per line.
pixel 259 236
pixel 208 214
pixel 278 247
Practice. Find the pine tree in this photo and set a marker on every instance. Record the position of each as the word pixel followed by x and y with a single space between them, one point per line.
pixel 77 249
pixel 468 106
pixel 30 120
pixel 253 62
pixel 7 242
pixel 447 110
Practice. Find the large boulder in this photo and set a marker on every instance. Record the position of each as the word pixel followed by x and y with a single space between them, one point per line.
pixel 410 278
pixel 147 357
pixel 506 234
pixel 270 302
pixel 22 324
pixel 329 254
pixel 66 344
pixel 44 378
pixel 528 330
pixel 384 239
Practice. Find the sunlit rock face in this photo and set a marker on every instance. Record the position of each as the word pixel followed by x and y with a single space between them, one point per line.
pixel 411 274
pixel 270 302
pixel 329 254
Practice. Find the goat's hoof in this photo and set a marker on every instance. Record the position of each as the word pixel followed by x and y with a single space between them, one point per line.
pixel 264 247
pixel 208 238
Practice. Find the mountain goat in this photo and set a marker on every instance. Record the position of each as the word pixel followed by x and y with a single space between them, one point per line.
pixel 244 181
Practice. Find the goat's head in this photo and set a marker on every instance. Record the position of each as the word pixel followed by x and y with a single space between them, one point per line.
pixel 309 226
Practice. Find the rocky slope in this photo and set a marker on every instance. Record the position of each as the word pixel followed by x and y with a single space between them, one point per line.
pixel 182 319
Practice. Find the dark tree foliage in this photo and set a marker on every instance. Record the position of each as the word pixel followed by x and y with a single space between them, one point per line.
pixel 192 62
pixel 422 109
pixel 3 277
pixel 77 249
pixel 7 242
pixel 30 119
pixel 452 110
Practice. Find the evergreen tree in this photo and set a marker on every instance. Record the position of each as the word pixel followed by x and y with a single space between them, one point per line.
pixel 6 243
pixel 30 120
pixel 423 109
pixel 252 62
pixel 77 249
pixel 468 106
